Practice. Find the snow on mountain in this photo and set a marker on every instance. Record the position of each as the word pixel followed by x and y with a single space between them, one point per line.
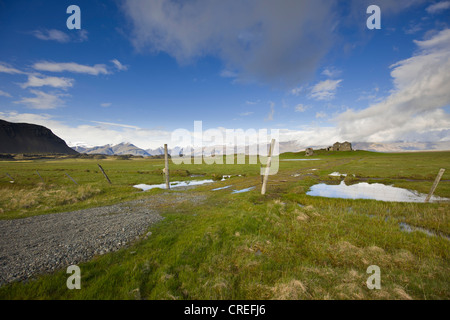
pixel 286 146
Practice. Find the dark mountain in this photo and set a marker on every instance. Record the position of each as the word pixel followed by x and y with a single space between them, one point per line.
pixel 30 138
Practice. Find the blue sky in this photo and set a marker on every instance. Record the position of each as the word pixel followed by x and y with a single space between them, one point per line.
pixel 137 70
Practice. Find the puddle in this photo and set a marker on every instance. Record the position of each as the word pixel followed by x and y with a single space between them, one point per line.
pixel 298 159
pixel 408 228
pixel 364 190
pixel 299 174
pixel 221 188
pixel 243 190
pixel 337 174
pixel 403 225
pixel 174 184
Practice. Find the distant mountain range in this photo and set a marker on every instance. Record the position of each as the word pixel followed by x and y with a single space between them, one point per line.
pixel 123 149
pixel 288 146
pixel 119 149
pixel 16 138
pixel 401 146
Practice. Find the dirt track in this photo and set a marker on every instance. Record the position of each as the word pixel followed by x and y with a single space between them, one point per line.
pixel 46 243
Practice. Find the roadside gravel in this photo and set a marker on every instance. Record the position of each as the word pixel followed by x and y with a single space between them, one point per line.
pixel 46 243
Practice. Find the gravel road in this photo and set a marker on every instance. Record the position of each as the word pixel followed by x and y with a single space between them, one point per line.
pixel 46 243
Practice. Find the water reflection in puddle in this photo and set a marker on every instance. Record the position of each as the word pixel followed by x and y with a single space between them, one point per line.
pixel 404 227
pixel 243 190
pixel 174 184
pixel 364 190
pixel 408 228
pixel 337 174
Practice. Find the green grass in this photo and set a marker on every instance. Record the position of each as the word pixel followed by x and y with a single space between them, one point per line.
pixel 249 246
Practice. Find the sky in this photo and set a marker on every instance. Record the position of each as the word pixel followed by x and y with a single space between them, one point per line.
pixel 136 71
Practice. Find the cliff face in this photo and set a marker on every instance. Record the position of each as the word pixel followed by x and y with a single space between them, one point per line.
pixel 30 138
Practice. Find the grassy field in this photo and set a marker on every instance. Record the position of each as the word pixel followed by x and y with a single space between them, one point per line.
pixel 283 245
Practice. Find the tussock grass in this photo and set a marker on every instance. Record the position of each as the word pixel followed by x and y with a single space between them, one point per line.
pixel 21 201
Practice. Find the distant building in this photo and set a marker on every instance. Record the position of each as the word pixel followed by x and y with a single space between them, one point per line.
pixel 309 152
pixel 344 146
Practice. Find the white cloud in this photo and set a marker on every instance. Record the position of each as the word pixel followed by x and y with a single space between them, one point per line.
pixel 366 96
pixel 301 108
pixel 41 100
pixel 119 65
pixel 228 74
pixel 60 36
pixel 271 113
pixel 70 67
pixel 117 125
pixel 5 68
pixel 370 95
pixel 55 82
pixel 106 104
pixel 5 94
pixel 52 34
pixel 325 90
pixel 82 35
pixel 297 91
pixel 438 7
pixel 246 113
pixel 438 41
pixel 262 40
pixel 321 114
pixel 331 72
pixel 414 109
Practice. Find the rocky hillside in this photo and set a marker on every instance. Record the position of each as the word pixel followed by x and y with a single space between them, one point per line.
pixel 30 138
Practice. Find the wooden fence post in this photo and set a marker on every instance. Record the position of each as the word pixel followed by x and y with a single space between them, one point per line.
pixel 71 178
pixel 103 171
pixel 166 168
pixel 436 182
pixel 266 173
pixel 40 176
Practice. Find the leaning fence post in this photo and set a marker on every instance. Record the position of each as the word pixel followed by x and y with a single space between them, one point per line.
pixel 71 178
pixel 39 176
pixel 104 173
pixel 266 173
pixel 166 168
pixel 436 182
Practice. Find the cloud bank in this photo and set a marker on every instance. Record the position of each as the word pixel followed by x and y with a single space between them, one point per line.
pixel 415 108
pixel 272 41
pixel 70 67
